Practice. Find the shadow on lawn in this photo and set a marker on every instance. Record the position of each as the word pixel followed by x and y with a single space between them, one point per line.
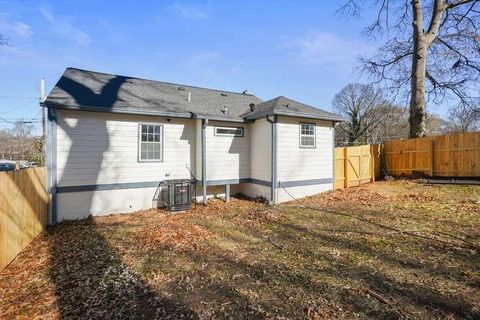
pixel 92 282
pixel 407 292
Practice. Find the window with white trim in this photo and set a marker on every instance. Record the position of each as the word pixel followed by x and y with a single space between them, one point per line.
pixel 307 135
pixel 150 142
pixel 229 131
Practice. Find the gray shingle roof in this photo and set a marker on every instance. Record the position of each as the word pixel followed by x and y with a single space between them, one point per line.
pixel 95 91
pixel 288 107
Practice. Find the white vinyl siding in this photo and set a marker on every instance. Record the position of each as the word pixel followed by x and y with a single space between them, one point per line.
pixel 303 164
pixel 261 150
pixel 227 156
pixel 296 163
pixel 95 148
pixel 260 159
pixel 102 148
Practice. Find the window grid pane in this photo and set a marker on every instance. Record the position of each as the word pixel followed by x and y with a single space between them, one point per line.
pixel 307 135
pixel 151 142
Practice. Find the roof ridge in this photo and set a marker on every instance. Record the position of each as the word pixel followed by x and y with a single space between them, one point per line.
pixel 163 82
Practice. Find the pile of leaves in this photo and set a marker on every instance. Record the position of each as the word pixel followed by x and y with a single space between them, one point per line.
pixel 174 232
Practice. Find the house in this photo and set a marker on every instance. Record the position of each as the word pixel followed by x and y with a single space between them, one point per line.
pixel 112 139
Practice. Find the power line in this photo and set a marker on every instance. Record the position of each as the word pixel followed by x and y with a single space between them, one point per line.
pixel 15 121
pixel 7 121
pixel 20 106
pixel 17 97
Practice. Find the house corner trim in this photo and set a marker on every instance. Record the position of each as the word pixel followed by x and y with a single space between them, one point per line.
pixel 204 161
pixel 52 164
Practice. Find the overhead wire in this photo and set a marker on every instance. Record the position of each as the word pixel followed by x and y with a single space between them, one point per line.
pixel 20 106
pixel 17 97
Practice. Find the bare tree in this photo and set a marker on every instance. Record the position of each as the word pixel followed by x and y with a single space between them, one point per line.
pixel 361 104
pixel 462 118
pixel 433 53
pixel 392 124
pixel 435 125
pixel 18 142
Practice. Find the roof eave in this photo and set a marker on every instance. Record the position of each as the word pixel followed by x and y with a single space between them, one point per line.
pixel 299 115
pixel 135 111
pixel 119 110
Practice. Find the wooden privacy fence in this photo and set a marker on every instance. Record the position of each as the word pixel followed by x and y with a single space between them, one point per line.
pixel 356 165
pixel 23 210
pixel 455 155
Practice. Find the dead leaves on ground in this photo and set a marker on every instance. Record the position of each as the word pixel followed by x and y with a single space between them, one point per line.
pixel 90 267
pixel 178 235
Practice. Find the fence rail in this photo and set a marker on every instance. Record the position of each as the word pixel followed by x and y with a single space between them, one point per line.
pixel 455 155
pixel 23 210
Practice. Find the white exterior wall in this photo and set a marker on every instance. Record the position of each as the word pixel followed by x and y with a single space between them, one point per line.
pixel 212 192
pixel 261 150
pixel 102 148
pixel 302 164
pixel 96 148
pixel 252 190
pixel 227 157
pixel 79 205
pixel 301 191
pixel 260 159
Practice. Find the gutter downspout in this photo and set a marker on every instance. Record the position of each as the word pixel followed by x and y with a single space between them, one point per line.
pixel 204 160
pixel 52 164
pixel 274 160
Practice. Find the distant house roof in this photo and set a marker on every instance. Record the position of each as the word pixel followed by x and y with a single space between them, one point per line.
pixel 288 107
pixel 95 91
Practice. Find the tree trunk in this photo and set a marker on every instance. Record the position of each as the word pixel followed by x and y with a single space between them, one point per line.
pixel 417 102
pixel 419 63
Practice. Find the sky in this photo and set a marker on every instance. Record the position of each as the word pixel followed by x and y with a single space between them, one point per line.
pixel 299 49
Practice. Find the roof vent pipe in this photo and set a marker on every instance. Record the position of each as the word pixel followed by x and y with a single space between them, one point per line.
pixel 189 96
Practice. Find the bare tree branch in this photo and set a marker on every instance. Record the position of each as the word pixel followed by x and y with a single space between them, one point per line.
pixel 433 55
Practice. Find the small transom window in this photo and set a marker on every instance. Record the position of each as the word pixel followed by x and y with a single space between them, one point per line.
pixel 307 135
pixel 150 142
pixel 229 131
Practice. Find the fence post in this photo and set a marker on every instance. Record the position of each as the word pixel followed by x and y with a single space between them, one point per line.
pixel 345 167
pixel 432 154
pixel 372 162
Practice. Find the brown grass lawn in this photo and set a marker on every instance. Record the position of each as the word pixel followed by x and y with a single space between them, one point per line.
pixel 385 250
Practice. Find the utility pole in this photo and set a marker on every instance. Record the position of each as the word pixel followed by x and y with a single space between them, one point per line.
pixel 44 125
